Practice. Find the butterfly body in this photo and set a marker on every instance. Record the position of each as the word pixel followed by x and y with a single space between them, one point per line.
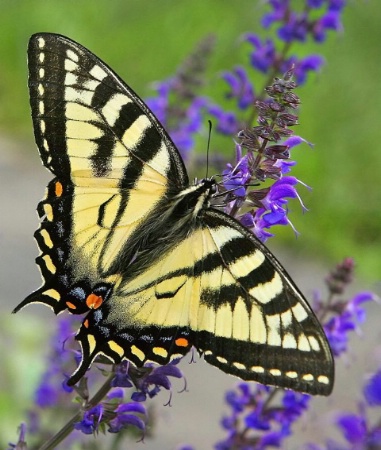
pixel 125 238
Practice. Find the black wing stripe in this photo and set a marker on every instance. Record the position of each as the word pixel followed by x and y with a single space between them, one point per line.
pixel 128 114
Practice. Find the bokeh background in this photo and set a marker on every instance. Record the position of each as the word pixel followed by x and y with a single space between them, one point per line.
pixel 144 42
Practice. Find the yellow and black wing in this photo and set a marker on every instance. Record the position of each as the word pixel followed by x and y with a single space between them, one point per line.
pixel 220 290
pixel 124 237
pixel 113 165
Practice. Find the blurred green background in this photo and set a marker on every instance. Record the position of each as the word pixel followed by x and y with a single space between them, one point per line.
pixel 147 41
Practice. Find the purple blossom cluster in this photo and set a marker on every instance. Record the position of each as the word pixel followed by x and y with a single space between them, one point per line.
pixel 114 413
pixel 107 410
pixel 148 380
pixel 341 315
pixel 255 422
pixel 272 56
pixel 266 158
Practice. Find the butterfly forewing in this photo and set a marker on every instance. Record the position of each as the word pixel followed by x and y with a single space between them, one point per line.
pixel 113 164
pixel 124 235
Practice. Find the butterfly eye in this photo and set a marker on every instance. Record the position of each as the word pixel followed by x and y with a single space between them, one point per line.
pixel 213 189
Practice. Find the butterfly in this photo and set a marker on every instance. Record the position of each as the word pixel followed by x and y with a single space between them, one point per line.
pixel 128 240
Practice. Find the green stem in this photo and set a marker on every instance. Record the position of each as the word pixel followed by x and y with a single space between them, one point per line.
pixel 69 427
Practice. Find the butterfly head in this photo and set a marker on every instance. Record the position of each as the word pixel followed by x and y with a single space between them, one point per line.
pixel 204 189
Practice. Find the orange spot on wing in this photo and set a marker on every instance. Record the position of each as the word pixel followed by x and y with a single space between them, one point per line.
pixel 182 342
pixel 86 323
pixel 58 189
pixel 71 305
pixel 94 301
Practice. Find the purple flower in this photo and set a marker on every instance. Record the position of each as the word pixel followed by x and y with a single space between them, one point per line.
pixel 183 134
pixel 353 427
pixel 91 420
pixel 295 403
pixel 274 211
pixel 311 63
pixel 264 55
pixel 155 378
pixel 52 386
pixel 188 120
pixel 227 122
pixel 315 4
pixel 357 429
pixel 159 104
pixel 122 377
pixel 330 21
pixel 295 29
pixel 176 105
pixel 235 178
pixel 351 315
pixel 125 416
pixel 256 224
pixel 46 394
pixel 274 438
pixel 279 192
pixel 257 421
pixel 372 390
pixel 296 26
pixel 240 87
pixel 280 8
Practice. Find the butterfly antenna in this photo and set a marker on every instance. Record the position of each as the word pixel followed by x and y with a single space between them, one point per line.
pixel 208 148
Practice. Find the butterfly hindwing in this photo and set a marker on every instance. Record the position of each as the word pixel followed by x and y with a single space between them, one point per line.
pixel 220 290
pixel 113 163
